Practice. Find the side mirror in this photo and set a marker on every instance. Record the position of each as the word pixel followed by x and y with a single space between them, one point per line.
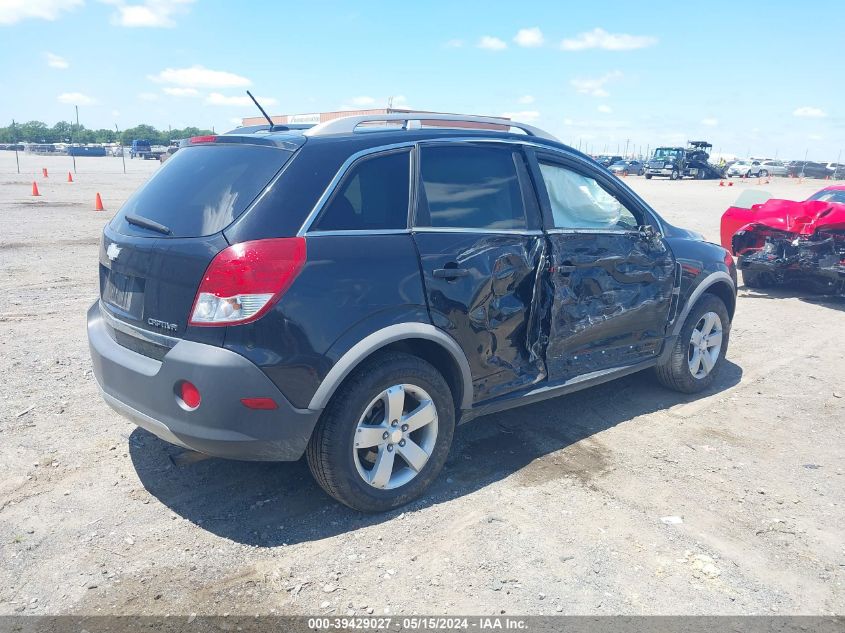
pixel 647 231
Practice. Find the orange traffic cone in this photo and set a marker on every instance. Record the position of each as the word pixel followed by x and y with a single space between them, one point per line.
pixel 35 189
pixel 44 172
pixel 721 183
pixel 730 183
pixel 69 177
pixel 98 203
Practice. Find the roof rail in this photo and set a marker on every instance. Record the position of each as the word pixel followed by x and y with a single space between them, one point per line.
pixel 413 120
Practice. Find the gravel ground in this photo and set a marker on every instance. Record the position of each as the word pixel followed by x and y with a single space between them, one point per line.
pixel 626 498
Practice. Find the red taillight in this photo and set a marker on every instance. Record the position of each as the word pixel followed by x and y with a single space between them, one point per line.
pixel 264 404
pixel 209 138
pixel 189 394
pixel 244 280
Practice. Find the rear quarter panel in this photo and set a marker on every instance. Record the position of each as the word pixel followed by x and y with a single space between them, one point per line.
pixel 351 286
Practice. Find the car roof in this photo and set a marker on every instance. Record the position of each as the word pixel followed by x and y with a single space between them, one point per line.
pixel 379 136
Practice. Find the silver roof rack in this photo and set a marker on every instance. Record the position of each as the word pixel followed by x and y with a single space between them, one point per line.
pixel 413 120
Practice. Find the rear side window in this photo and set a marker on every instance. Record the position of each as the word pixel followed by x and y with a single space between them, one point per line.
pixel 201 190
pixel 372 196
pixel 471 187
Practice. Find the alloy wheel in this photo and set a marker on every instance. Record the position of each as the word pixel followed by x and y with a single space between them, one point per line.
pixel 395 436
pixel 705 345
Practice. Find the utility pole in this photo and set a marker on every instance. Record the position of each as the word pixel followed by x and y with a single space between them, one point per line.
pixel 73 154
pixel 15 141
pixel 627 140
pixel 120 144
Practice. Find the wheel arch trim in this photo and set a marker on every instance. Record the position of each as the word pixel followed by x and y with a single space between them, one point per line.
pixel 381 338
pixel 708 282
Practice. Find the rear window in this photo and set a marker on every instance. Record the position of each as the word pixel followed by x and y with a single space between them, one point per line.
pixel 201 190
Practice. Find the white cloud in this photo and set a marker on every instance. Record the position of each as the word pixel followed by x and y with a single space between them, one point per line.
pixel 76 98
pixel 809 112
pixel 525 116
pixel 595 87
pixel 13 11
pixel 55 61
pixel 529 38
pixel 710 122
pixel 526 99
pixel 456 43
pixel 150 13
pixel 815 137
pixel 605 109
pixel 363 101
pixel 174 91
pixel 148 96
pixel 599 38
pixel 200 77
pixel 215 98
pixel 492 43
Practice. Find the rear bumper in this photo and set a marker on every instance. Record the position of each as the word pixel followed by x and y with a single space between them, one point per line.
pixel 143 389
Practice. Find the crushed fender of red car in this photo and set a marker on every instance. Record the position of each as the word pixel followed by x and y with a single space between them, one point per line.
pixel 787 241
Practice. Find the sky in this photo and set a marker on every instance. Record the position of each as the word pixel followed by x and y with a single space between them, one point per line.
pixel 760 79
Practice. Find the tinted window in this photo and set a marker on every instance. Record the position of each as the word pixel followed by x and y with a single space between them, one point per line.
pixel 471 187
pixel 201 190
pixel 580 202
pixel 372 196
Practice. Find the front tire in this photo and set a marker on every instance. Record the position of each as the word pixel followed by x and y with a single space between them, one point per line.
pixel 676 175
pixel 385 435
pixel 648 176
pixel 699 351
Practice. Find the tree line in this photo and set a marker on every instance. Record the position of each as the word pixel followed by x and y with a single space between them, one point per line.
pixel 66 132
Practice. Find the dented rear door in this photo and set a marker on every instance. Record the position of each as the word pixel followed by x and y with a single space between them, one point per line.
pixel 609 274
pixel 477 232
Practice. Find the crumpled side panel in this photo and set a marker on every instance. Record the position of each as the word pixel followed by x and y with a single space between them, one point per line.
pixel 488 311
pixel 611 300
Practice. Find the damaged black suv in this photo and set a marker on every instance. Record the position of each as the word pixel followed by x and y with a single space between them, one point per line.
pixel 353 291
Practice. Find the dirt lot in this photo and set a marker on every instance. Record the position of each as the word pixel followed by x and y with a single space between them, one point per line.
pixel 551 508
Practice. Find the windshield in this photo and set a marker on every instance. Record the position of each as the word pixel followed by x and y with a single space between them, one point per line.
pixel 200 190
pixel 829 195
pixel 666 152
pixel 750 197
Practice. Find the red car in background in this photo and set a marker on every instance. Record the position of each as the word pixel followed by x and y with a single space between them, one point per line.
pixel 786 241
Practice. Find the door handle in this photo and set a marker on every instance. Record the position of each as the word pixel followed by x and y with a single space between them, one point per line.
pixel 450 273
pixel 566 270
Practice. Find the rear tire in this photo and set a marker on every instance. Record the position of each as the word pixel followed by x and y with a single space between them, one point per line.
pixel 709 317
pixel 364 408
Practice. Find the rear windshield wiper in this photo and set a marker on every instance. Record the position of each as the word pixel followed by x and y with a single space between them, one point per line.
pixel 146 223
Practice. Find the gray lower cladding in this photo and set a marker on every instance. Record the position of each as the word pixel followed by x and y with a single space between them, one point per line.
pixel 143 389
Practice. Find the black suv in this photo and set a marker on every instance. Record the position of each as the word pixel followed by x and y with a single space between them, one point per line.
pixel 355 290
